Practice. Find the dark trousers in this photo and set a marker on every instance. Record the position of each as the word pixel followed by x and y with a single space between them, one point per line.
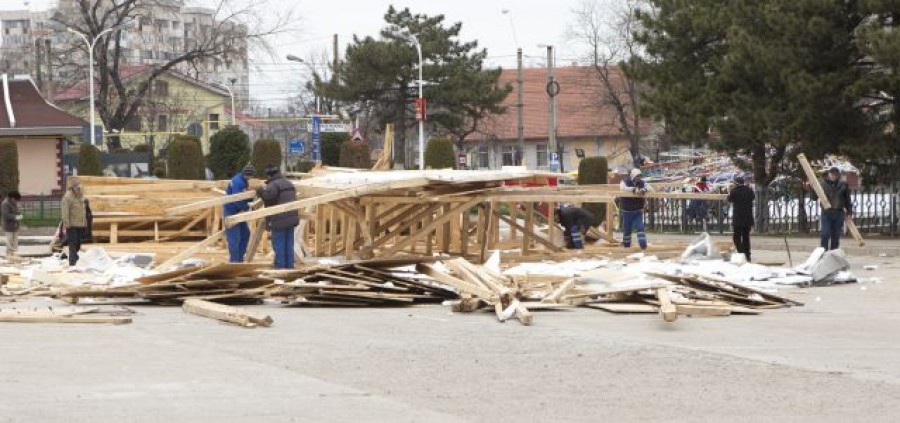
pixel 832 226
pixel 283 246
pixel 238 237
pixel 74 236
pixel 741 238
pixel 633 221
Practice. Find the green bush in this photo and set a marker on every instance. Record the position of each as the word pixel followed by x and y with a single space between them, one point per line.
pixel 141 148
pixel 185 159
pixel 330 147
pixel 159 167
pixel 89 161
pixel 440 154
pixel 229 152
pixel 305 166
pixel 266 152
pixel 355 155
pixel 9 167
pixel 594 170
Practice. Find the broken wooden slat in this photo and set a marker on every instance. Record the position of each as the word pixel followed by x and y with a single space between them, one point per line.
pixel 226 313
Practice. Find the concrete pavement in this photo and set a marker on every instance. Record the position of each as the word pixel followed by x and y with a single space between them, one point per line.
pixel 832 360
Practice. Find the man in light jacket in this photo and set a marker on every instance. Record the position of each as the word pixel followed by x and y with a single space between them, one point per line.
pixel 74 217
pixel 278 190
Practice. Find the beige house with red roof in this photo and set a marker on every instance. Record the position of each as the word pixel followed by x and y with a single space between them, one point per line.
pixel 40 130
pixel 585 123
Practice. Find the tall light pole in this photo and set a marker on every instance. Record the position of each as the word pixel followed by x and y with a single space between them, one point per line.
pixel 230 94
pixel 421 102
pixel 91 45
pixel 520 103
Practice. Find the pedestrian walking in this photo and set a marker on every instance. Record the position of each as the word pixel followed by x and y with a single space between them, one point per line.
pixel 575 221
pixel 278 190
pixel 838 194
pixel 74 218
pixel 741 197
pixel 12 219
pixel 238 236
pixel 633 208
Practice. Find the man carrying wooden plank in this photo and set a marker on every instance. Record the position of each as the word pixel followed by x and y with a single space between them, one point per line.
pixel 279 190
pixel 238 236
pixel 832 223
pixel 633 209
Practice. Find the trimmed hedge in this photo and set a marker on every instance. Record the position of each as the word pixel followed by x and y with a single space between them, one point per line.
pixel 9 167
pixel 355 155
pixel 89 161
pixel 185 159
pixel 305 166
pixel 594 170
pixel 229 152
pixel 330 147
pixel 266 152
pixel 440 154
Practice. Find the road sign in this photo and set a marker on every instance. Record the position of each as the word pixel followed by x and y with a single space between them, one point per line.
pixel 316 138
pixel 554 161
pixel 461 159
pixel 296 147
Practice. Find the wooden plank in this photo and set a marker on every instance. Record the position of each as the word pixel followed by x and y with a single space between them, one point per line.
pixel 325 198
pixel 332 230
pixel 157 187
pixel 523 314
pixel 212 202
pixel 624 307
pixel 823 199
pixel 49 318
pixel 702 310
pixel 226 313
pixel 484 231
pixel 666 309
pixel 212 239
pixel 430 226
pixel 458 284
pixel 561 290
pixel 533 235
pixel 528 230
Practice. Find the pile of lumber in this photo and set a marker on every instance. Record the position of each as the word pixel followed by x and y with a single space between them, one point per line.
pixel 128 209
pixel 376 283
pixel 222 282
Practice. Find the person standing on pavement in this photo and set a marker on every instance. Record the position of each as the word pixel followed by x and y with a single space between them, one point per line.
pixel 238 236
pixel 74 218
pixel 838 194
pixel 11 218
pixel 741 197
pixel 633 208
pixel 278 190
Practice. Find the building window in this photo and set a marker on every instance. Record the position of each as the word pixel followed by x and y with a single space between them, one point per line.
pixel 162 123
pixel 160 88
pixel 509 155
pixel 213 121
pixel 541 155
pixel 483 157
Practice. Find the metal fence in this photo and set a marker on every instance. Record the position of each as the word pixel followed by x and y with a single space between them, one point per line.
pixel 40 209
pixel 875 212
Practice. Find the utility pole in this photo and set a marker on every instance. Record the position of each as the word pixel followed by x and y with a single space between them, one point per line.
pixel 50 89
pixel 552 91
pixel 38 63
pixel 334 70
pixel 520 105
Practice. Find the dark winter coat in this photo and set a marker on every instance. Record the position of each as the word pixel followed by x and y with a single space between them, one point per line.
pixel 571 216
pixel 838 194
pixel 741 197
pixel 279 190
pixel 633 203
pixel 9 209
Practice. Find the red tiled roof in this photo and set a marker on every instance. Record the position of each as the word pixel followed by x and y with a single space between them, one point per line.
pixel 80 90
pixel 581 110
pixel 33 115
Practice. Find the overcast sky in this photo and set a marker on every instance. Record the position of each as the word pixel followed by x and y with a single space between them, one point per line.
pixel 528 24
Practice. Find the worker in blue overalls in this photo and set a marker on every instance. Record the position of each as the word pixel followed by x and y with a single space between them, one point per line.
pixel 238 236
pixel 633 208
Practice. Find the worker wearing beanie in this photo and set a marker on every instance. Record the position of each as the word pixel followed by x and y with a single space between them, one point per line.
pixel 238 236
pixel 633 209
pixel 838 195
pixel 277 191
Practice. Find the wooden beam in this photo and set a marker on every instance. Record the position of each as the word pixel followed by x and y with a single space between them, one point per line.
pixel 666 308
pixel 51 318
pixel 533 235
pixel 226 313
pixel 212 239
pixel 212 202
pixel 430 226
pixel 823 199
pixel 157 187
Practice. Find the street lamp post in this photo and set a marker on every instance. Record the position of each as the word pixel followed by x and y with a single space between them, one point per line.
pixel 421 105
pixel 230 94
pixel 91 45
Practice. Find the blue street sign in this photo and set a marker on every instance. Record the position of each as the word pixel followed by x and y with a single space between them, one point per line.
pixel 296 147
pixel 316 138
pixel 554 161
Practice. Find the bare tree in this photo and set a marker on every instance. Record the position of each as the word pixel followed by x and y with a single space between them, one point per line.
pixel 233 29
pixel 606 27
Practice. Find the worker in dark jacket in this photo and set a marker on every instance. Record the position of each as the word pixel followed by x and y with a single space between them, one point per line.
pixel 11 218
pixel 633 208
pixel 741 197
pixel 279 190
pixel 575 221
pixel 838 195
pixel 238 236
